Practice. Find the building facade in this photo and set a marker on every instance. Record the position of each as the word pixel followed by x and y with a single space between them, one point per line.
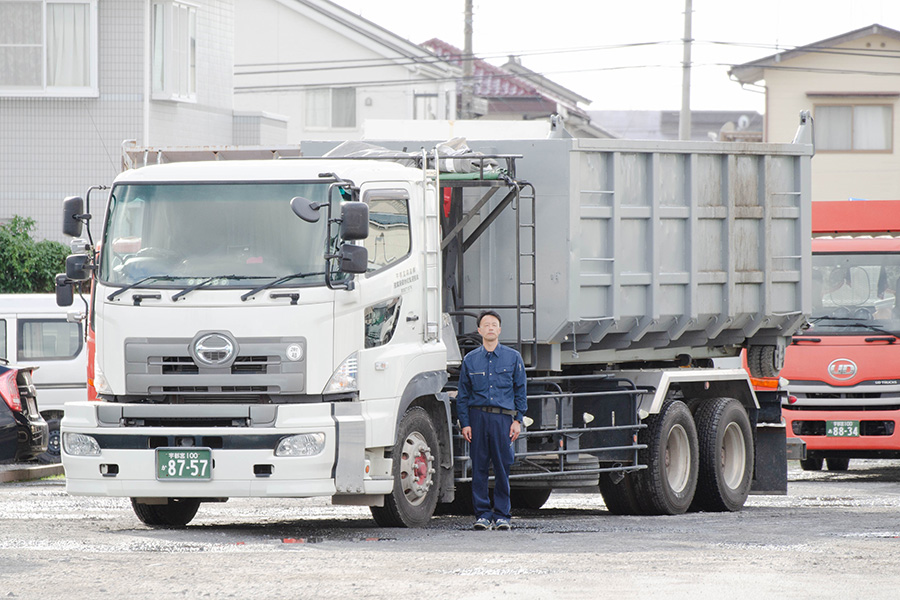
pixel 851 85
pixel 80 77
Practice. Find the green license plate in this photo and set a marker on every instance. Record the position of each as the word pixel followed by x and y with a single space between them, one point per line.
pixel 842 428
pixel 183 463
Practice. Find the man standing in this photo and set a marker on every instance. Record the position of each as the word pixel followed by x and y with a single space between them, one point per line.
pixel 491 405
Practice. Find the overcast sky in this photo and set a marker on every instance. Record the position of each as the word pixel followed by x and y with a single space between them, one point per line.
pixel 589 45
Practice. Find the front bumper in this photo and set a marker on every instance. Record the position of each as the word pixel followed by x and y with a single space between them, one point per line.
pixel 879 429
pixel 244 463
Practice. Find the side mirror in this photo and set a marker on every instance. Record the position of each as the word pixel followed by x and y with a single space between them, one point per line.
pixel 64 293
pixel 73 207
pixel 306 209
pixel 354 221
pixel 354 259
pixel 77 268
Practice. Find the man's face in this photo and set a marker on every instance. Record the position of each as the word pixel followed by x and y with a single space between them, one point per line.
pixel 489 328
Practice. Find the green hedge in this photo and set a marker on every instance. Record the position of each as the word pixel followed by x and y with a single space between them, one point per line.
pixel 27 266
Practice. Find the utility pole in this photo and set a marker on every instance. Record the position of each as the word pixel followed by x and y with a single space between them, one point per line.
pixel 684 121
pixel 467 111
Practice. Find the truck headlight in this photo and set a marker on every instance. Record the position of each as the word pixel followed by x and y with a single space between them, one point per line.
pixel 304 444
pixel 344 378
pixel 78 444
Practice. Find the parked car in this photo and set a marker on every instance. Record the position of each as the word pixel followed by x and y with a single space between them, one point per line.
pixel 35 331
pixel 23 431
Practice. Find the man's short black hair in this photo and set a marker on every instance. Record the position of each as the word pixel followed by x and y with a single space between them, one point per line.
pixel 489 313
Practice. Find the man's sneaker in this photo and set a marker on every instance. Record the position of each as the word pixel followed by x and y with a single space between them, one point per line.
pixel 482 524
pixel 502 525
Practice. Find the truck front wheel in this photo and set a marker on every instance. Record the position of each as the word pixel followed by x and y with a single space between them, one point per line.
pixel 726 456
pixel 175 513
pixel 416 458
pixel 667 485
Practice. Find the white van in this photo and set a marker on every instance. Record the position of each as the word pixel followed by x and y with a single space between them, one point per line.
pixel 35 331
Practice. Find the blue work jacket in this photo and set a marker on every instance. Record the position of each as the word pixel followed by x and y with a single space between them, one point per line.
pixel 491 379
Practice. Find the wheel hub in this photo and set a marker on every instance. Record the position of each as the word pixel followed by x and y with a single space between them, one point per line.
pixel 416 468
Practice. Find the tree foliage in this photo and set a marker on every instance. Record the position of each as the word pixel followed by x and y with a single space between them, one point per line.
pixel 27 266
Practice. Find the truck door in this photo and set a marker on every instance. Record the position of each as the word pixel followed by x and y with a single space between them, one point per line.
pixel 390 292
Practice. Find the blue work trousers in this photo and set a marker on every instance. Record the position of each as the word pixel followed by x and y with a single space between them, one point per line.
pixel 490 446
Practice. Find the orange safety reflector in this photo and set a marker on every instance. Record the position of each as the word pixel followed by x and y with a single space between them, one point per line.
pixel 770 383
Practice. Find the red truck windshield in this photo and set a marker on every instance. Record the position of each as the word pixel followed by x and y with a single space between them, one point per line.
pixel 854 293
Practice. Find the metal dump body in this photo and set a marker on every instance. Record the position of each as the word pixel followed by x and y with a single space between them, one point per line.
pixel 646 250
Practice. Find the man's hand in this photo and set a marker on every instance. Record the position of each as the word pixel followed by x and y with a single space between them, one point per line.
pixel 467 433
pixel 514 430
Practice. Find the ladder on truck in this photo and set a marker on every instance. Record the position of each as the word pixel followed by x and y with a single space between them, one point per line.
pixel 521 199
pixel 432 212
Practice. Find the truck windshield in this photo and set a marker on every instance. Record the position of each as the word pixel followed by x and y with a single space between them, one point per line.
pixel 212 235
pixel 853 293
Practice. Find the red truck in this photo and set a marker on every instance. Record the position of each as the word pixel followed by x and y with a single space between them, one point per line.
pixel 844 369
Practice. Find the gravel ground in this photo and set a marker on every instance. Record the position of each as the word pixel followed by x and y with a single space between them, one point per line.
pixel 835 535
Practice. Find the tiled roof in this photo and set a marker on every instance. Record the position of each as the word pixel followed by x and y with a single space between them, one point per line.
pixel 489 81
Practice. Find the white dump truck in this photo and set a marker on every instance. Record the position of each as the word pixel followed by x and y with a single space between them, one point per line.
pixel 293 327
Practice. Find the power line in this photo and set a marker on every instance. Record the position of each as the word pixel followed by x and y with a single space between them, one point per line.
pixel 381 61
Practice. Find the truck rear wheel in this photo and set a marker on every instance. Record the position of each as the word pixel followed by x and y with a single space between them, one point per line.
pixel 176 513
pixel 416 457
pixel 666 486
pixel 619 497
pixel 726 456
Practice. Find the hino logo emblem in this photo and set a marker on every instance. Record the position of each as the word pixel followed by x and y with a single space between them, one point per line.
pixel 213 349
pixel 842 369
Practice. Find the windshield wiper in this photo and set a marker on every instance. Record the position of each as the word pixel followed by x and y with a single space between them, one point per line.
pixel 142 281
pixel 210 280
pixel 851 322
pixel 278 281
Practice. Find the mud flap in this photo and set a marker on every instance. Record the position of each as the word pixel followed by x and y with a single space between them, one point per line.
pixel 770 472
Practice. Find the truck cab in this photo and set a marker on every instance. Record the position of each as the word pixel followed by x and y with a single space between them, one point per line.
pixel 842 368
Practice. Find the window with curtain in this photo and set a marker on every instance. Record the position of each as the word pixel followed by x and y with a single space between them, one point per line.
pixel 335 108
pixel 854 128
pixel 48 47
pixel 174 50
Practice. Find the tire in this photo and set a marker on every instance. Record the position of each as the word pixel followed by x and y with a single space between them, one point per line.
pixel 529 499
pixel 837 464
pixel 764 361
pixel 51 455
pixel 726 456
pixel 177 513
pixel 620 498
pixel 666 486
pixel 812 463
pixel 416 470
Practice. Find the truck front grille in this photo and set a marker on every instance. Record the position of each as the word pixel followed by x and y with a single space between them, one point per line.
pixel 184 365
